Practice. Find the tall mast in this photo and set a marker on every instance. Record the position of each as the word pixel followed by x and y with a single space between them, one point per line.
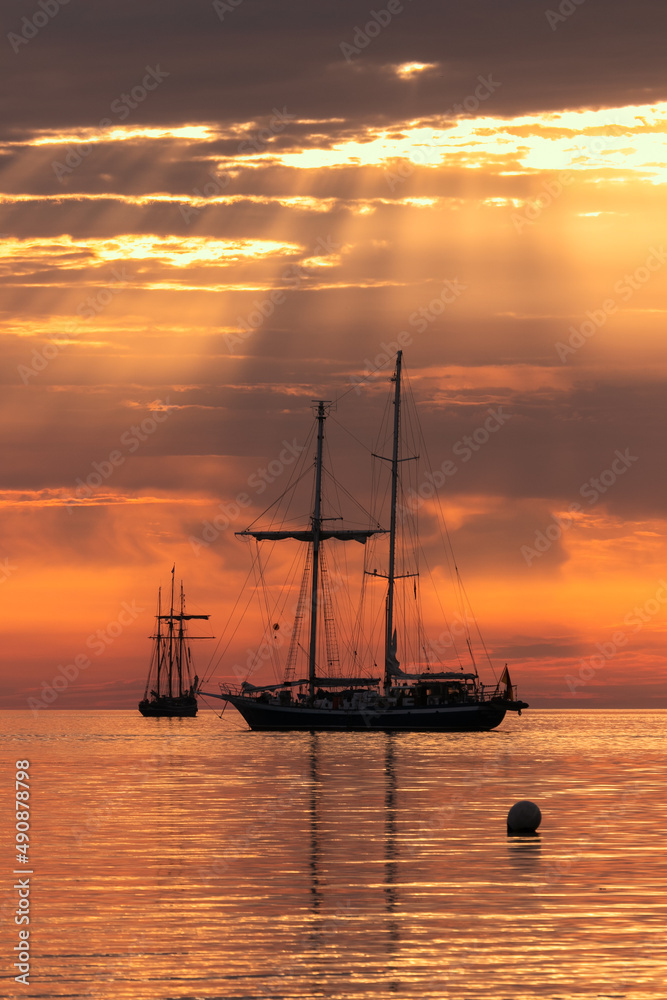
pixel 316 522
pixel 171 633
pixel 179 652
pixel 388 648
pixel 158 641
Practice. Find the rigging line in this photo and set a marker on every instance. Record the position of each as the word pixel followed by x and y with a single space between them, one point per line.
pixel 357 631
pixel 382 443
pixel 330 480
pixel 291 659
pixel 479 633
pixel 345 593
pixel 280 603
pixel 250 664
pixel 419 439
pixel 339 486
pixel 290 578
pixel 265 598
pixel 442 522
pixel 463 598
pixel 376 630
pixel 210 668
pixel 341 598
pixel 300 470
pixel 360 381
pixel 234 726
pixel 385 435
pixel 354 437
pixel 231 639
pixel 250 661
pixel 290 487
pixel 442 610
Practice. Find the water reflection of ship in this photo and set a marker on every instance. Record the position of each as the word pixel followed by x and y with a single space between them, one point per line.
pixel 373 890
pixel 327 921
pixel 391 845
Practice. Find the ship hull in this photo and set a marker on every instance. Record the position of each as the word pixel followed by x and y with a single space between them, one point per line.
pixel 447 719
pixel 172 708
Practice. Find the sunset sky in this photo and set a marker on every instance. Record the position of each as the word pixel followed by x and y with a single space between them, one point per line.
pixel 214 213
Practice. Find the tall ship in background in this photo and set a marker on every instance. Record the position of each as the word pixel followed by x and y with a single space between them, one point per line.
pixel 426 696
pixel 171 687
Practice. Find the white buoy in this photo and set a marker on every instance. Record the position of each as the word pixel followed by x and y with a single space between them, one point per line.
pixel 523 817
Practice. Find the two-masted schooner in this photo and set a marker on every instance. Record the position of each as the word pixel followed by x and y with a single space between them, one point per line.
pixel 422 698
pixel 171 687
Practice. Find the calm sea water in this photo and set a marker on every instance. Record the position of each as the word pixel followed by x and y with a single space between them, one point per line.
pixel 194 859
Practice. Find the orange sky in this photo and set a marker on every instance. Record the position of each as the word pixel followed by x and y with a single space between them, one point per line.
pixel 180 281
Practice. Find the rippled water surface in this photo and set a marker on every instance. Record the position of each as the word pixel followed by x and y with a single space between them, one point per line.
pixel 194 859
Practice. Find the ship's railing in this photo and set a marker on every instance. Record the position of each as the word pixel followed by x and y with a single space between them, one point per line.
pixel 323 682
pixel 490 691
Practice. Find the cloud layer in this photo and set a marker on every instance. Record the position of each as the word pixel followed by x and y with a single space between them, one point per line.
pixel 212 216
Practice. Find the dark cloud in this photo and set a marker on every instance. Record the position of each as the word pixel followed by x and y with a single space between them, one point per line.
pixel 261 55
pixel 528 649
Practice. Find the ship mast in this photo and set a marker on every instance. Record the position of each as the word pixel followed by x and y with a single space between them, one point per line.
pixel 316 527
pixel 171 647
pixel 179 648
pixel 171 635
pixel 391 575
pixel 158 641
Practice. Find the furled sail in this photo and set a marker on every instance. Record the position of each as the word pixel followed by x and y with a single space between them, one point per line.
pixel 392 664
pixel 307 535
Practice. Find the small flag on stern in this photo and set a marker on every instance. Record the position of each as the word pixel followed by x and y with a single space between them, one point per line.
pixel 505 679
